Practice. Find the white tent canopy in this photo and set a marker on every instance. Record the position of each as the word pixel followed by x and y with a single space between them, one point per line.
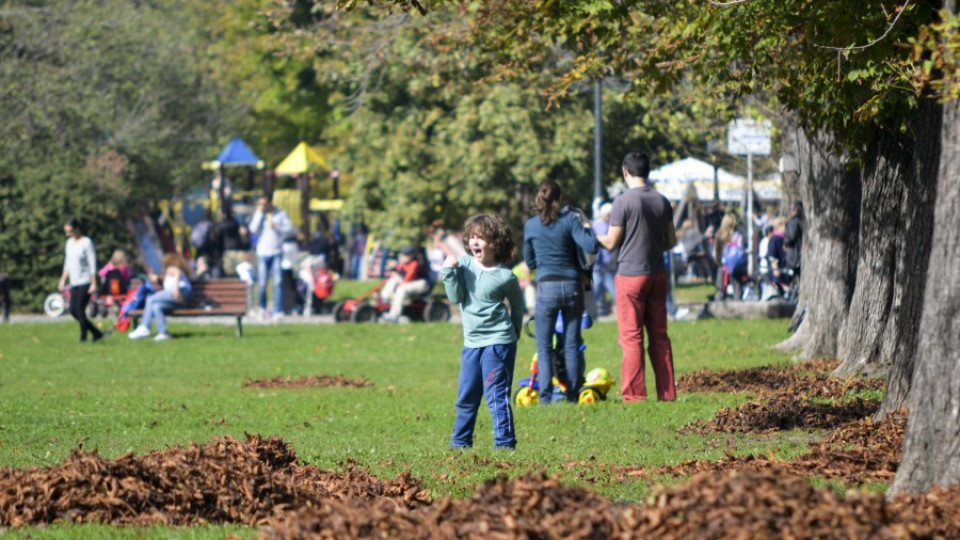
pixel 673 180
pixel 690 170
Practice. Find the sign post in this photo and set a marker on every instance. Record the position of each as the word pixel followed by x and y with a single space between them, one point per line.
pixel 749 137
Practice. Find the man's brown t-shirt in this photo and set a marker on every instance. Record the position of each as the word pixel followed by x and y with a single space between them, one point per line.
pixel 645 216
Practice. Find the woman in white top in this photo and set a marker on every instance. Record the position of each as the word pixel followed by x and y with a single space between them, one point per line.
pixel 176 290
pixel 80 267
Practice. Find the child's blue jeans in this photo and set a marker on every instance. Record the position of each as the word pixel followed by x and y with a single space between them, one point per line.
pixel 485 372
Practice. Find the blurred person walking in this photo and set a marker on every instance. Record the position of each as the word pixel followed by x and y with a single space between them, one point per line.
pixel 79 267
pixel 271 225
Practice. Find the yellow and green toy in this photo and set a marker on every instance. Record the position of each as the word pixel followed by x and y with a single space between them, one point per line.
pixel 596 385
pixel 598 382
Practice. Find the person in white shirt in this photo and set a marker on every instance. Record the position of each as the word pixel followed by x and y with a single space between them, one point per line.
pixel 271 226
pixel 80 268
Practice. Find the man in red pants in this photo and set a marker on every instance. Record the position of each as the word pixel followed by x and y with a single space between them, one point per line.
pixel 641 225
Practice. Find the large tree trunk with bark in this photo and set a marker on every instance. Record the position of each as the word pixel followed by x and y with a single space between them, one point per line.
pixel 931 451
pixel 831 197
pixel 894 242
pixel 915 244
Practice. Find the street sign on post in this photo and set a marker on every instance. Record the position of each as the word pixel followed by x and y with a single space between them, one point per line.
pixel 749 137
pixel 746 136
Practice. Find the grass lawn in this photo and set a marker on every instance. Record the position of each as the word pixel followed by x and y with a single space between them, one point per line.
pixel 351 288
pixel 121 396
pixel 694 293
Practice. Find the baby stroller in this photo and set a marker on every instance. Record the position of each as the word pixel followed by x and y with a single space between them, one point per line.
pixel 596 383
pixel 111 295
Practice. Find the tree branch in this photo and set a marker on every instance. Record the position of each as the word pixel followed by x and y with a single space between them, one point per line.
pixel 874 42
pixel 420 8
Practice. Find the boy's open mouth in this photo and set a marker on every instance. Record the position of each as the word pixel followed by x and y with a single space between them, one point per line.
pixel 477 252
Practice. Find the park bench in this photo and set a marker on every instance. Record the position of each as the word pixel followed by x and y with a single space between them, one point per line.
pixel 226 297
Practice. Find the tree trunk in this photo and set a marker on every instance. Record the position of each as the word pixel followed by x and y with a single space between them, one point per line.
pixel 931 450
pixel 831 200
pixel 894 243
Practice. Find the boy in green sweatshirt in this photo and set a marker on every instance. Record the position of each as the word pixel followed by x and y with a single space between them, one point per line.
pixel 480 283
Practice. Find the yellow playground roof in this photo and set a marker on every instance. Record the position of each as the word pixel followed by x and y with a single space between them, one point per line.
pixel 301 160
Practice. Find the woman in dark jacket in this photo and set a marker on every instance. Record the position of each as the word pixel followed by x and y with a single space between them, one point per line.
pixel 550 246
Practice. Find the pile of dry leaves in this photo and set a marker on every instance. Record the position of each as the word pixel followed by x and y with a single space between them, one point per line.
pixel 769 503
pixel 227 481
pixel 782 413
pixel 808 379
pixel 855 453
pixel 796 396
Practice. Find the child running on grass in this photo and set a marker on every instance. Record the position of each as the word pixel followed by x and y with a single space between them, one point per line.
pixel 480 283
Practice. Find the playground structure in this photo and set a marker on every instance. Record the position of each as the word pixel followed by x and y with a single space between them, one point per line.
pixel 234 180
pixel 303 164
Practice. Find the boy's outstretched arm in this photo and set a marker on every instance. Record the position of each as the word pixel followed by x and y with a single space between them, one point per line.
pixel 452 280
pixel 515 295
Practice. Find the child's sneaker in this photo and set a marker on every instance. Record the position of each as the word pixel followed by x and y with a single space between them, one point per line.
pixel 139 333
pixel 161 337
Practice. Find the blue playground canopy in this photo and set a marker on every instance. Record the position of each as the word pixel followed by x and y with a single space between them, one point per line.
pixel 236 152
